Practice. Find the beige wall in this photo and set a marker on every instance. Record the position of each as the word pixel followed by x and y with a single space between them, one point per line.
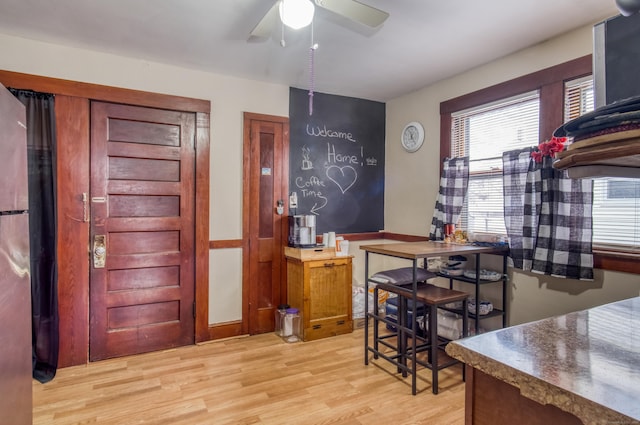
pixel 412 179
pixel 229 97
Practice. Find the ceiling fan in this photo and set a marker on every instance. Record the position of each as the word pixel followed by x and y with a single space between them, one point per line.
pixel 351 9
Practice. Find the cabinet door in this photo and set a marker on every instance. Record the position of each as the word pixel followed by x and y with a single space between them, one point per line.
pixel 328 306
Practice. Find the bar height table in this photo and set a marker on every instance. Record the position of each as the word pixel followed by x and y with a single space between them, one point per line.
pixel 413 252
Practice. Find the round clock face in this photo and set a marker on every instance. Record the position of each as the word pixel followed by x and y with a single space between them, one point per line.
pixel 412 136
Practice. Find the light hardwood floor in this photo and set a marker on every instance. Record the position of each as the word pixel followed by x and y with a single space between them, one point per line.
pixel 251 380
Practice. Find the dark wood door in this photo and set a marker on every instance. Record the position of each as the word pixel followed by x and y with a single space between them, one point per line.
pixel 266 165
pixel 142 228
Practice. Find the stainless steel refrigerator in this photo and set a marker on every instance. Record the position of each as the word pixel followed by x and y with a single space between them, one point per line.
pixel 15 284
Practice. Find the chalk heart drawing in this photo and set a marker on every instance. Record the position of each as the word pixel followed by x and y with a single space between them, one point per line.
pixel 343 177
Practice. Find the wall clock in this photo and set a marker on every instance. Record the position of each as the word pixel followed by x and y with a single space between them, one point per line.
pixel 412 136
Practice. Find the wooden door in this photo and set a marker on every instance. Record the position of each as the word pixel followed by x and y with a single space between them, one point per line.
pixel 142 227
pixel 266 181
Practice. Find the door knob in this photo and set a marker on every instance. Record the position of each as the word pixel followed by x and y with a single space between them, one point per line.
pixel 99 251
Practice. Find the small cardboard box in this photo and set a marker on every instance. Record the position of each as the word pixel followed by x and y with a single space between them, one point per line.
pixel 306 254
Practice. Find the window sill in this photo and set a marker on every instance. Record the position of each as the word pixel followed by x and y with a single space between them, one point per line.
pixel 621 261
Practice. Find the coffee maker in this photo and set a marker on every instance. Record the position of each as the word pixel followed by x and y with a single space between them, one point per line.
pixel 302 231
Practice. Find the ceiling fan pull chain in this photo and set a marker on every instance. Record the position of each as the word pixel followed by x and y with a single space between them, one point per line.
pixel 312 50
pixel 282 43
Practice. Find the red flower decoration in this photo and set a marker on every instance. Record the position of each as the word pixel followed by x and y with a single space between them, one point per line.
pixel 548 148
pixel 537 156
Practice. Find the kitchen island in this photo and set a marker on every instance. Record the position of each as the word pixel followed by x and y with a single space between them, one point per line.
pixel 578 368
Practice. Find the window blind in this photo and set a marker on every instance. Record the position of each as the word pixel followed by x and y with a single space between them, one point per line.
pixel 578 97
pixel 616 201
pixel 483 133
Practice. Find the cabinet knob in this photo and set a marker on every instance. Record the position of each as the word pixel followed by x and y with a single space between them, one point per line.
pixel 329 264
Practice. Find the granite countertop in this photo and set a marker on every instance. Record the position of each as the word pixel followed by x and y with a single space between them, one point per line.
pixel 586 363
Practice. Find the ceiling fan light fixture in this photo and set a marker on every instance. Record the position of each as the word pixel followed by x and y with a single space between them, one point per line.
pixel 296 14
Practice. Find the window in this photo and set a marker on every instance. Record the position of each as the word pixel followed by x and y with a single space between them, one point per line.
pixel 616 212
pixel 483 133
pixel 564 92
pixel 578 97
pixel 616 202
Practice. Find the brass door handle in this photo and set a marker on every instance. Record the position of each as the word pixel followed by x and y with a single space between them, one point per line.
pixel 99 251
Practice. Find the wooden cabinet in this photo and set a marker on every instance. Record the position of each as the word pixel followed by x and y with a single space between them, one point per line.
pixel 490 401
pixel 321 289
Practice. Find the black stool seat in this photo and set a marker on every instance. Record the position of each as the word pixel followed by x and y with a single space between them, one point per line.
pixel 402 276
pixel 430 294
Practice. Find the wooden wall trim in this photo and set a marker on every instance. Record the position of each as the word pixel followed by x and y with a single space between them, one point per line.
pixel 616 260
pixel 104 93
pixel 246 201
pixel 202 179
pixel 549 81
pixel 226 330
pixel 72 126
pixel 574 68
pixel 238 243
pixel 224 244
pixel 405 238
pixel 361 236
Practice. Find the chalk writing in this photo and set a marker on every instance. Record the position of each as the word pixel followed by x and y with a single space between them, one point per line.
pixel 316 207
pixel 323 131
pixel 313 181
pixel 343 177
pixel 336 157
pixel 306 161
pixel 310 189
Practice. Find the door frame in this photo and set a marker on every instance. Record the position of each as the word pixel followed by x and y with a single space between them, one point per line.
pixel 72 122
pixel 247 201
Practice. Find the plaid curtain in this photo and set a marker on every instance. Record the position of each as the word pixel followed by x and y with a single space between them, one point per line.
pixel 520 217
pixel 553 233
pixel 453 189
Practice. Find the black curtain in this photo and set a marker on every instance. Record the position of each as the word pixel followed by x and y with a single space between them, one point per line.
pixel 41 143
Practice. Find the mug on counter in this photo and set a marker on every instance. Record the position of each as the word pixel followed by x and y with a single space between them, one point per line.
pixel 332 240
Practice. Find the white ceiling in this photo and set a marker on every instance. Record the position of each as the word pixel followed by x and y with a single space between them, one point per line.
pixel 422 41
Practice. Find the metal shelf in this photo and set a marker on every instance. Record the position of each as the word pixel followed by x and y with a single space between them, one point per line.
pixel 493 313
pixel 468 279
pixel 478 283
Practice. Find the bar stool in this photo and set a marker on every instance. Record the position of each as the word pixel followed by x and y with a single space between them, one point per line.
pixel 432 297
pixel 397 277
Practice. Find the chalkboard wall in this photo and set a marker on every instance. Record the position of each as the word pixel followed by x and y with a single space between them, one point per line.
pixel 337 161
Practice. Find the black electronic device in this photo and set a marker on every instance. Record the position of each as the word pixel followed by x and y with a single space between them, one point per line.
pixel 616 59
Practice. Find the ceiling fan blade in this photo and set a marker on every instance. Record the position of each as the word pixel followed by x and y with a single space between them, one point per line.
pixel 355 11
pixel 266 24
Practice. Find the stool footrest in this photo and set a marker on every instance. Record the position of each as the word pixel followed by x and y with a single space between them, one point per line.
pixel 409 342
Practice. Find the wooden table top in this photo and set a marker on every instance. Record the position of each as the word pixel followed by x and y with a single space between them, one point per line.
pixel 425 249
